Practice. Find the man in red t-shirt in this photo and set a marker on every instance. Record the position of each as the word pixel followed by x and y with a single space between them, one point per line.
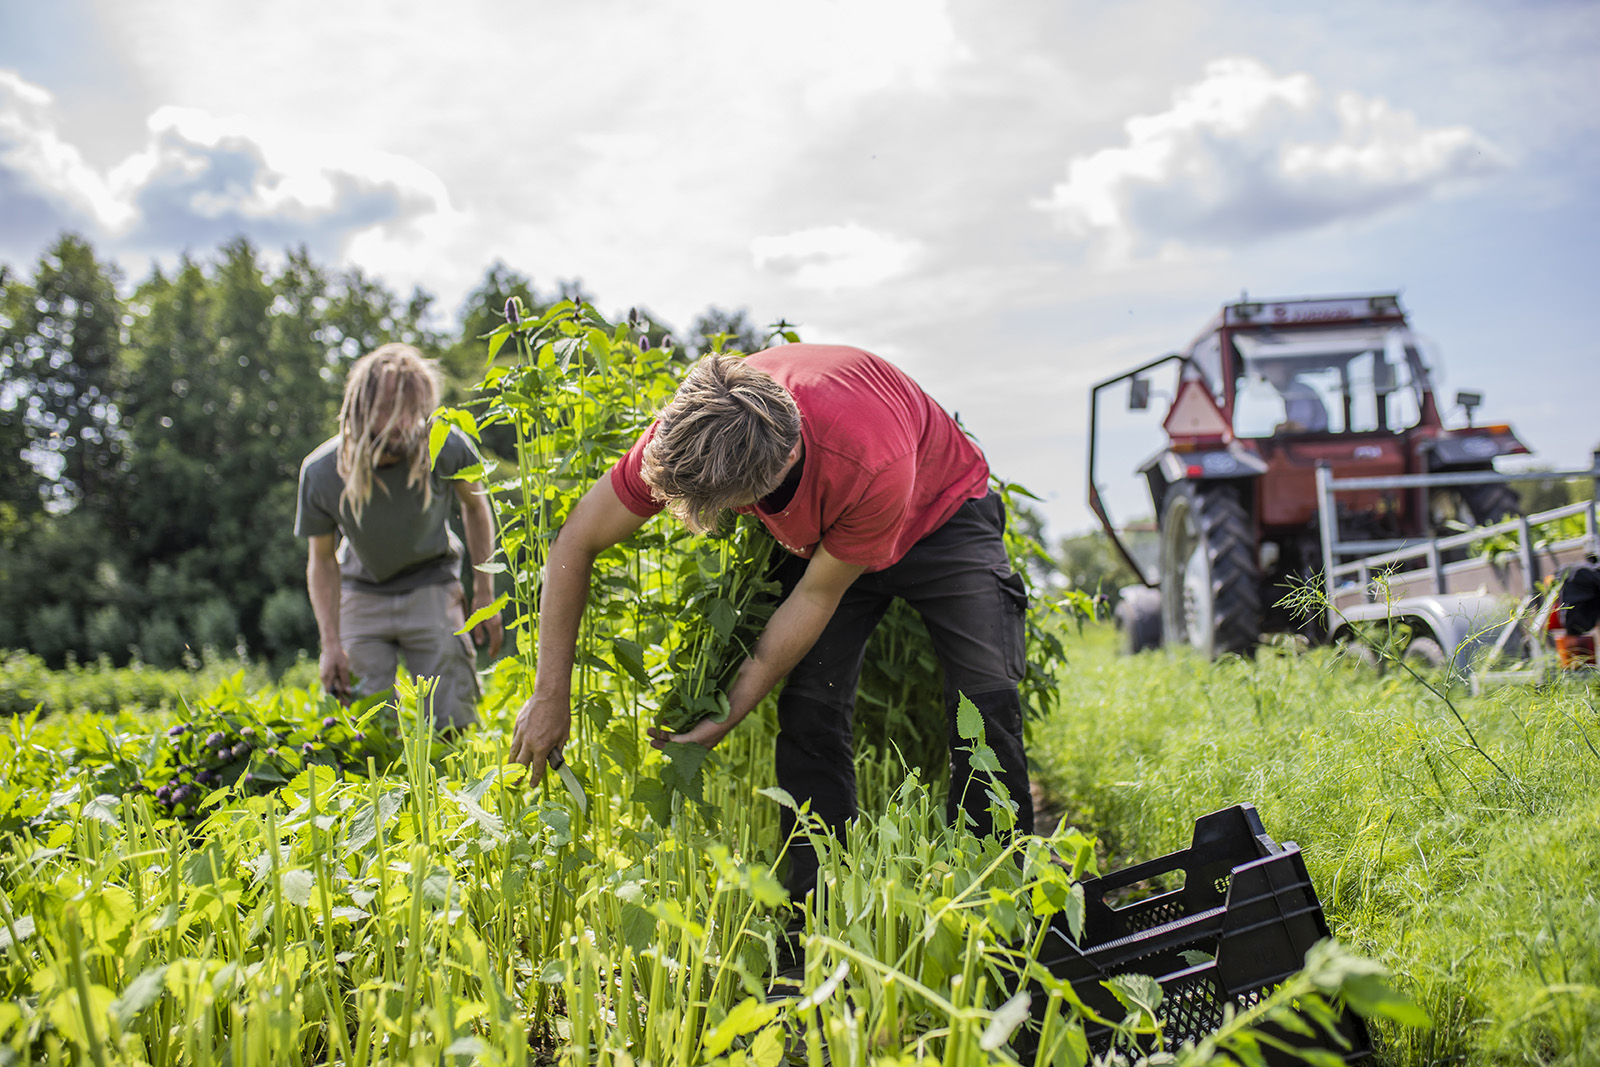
pixel 876 493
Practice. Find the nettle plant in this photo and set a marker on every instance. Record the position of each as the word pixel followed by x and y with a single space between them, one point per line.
pixel 671 615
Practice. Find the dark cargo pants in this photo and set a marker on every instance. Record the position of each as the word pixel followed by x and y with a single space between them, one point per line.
pixel 960 581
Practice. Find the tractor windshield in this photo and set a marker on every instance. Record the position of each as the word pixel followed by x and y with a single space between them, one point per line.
pixel 1336 380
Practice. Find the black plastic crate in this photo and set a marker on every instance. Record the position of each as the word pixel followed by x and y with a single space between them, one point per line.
pixel 1246 902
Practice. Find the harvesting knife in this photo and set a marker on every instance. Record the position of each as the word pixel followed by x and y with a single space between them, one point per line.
pixel 558 763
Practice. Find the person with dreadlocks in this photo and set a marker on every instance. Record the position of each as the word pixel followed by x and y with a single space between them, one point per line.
pixel 392 584
pixel 876 493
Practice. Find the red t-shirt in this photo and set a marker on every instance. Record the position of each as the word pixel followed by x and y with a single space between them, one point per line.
pixel 884 466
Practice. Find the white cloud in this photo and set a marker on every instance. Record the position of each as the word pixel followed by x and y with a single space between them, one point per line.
pixel 831 258
pixel 201 179
pixel 1245 154
pixel 38 159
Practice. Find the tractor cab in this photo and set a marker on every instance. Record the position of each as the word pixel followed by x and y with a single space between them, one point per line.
pixel 1265 395
pixel 1332 381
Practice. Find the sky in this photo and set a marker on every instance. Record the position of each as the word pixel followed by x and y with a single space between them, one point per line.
pixel 1011 200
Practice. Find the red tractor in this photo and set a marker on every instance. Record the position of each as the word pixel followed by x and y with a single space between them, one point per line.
pixel 1268 392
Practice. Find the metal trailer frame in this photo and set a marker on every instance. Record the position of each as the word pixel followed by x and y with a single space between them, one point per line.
pixel 1468 605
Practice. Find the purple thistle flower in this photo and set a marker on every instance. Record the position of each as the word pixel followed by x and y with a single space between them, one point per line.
pixel 248 734
pixel 272 753
pixel 215 739
pixel 178 730
pixel 307 748
pixel 329 723
pixel 164 794
pixel 241 750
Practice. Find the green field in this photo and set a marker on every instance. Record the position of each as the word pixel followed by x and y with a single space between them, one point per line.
pixel 1461 851
pixel 444 911
pixel 211 867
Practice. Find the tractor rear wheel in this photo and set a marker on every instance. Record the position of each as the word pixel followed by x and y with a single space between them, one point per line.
pixel 1210 578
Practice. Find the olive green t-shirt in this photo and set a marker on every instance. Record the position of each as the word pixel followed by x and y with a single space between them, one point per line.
pixel 399 545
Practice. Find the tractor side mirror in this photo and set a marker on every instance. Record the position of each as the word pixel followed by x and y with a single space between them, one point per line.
pixel 1139 394
pixel 1469 401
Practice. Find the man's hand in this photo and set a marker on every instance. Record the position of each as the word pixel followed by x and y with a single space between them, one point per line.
pixel 706 732
pixel 543 725
pixel 334 669
pixel 490 630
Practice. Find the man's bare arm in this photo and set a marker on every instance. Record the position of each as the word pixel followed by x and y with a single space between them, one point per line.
pixel 599 521
pixel 477 519
pixel 322 581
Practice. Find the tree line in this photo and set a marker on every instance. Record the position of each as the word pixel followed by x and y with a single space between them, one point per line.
pixel 152 436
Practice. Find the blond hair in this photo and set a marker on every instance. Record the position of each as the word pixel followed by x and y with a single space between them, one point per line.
pixel 393 385
pixel 722 442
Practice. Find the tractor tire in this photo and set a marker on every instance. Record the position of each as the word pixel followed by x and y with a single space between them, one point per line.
pixel 1139 619
pixel 1210 578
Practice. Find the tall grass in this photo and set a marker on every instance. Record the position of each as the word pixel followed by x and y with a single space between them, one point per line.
pixel 1465 854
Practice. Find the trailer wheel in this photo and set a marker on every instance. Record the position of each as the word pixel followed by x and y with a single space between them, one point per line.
pixel 1139 618
pixel 1424 653
pixel 1210 579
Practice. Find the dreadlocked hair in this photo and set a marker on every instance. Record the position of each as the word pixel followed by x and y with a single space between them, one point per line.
pixel 721 442
pixel 391 386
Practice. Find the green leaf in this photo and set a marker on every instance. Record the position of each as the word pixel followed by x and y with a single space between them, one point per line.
pixel 297 886
pixel 630 657
pixel 103 808
pixel 766 1048
pixel 362 830
pixel 722 618
pixel 205 867
pixel 440 890
pixel 969 721
pixel 498 339
pixel 142 992
pixel 1371 996
pixel 638 927
pixel 438 433
pixel 485 612
pixel 685 761
pixel 747 1015
pixel 1136 992
pixel 982 758
pixel 24 927
pixel 554 971
pixel 782 796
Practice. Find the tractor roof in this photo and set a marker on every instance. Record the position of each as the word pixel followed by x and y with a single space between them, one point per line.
pixel 1314 311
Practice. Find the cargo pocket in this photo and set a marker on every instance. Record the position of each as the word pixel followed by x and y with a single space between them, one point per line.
pixel 1014 605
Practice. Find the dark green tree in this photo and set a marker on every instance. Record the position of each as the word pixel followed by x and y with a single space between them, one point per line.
pixel 58 350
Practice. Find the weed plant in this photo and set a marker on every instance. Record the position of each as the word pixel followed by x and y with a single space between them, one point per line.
pixel 1460 851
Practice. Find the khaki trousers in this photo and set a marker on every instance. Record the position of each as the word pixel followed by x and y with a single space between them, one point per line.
pixel 378 629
